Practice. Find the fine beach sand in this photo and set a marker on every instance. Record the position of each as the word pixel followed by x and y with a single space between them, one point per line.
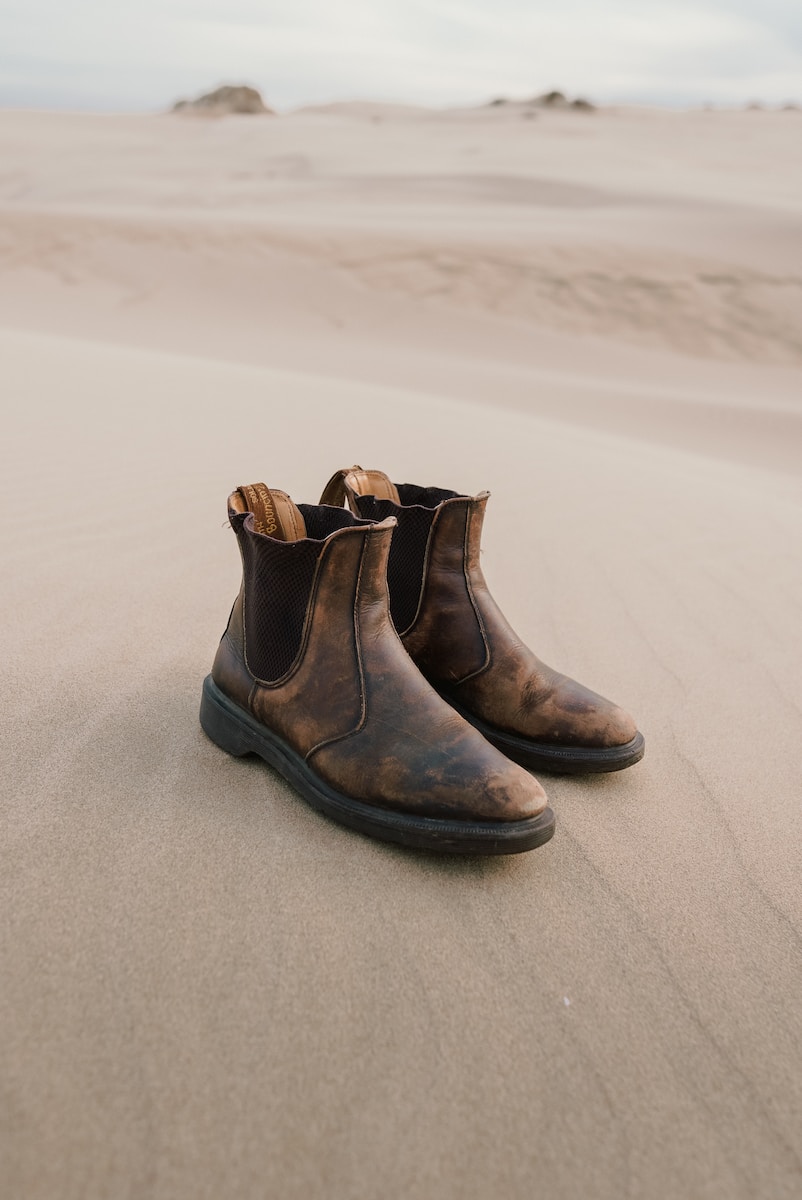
pixel 210 991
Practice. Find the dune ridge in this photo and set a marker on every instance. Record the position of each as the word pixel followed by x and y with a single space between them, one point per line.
pixel 685 303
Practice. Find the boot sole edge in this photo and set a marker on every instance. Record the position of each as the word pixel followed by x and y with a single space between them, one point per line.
pixel 234 730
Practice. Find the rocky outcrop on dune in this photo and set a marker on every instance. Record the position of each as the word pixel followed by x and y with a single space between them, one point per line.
pixel 230 98
pixel 554 100
pixel 560 100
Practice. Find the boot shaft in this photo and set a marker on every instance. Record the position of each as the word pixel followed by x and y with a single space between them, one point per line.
pixel 434 570
pixel 296 561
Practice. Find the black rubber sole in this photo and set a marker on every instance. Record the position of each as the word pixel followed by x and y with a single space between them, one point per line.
pixel 236 732
pixel 558 760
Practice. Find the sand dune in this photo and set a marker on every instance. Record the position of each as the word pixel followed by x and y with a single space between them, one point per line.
pixel 647 297
pixel 208 989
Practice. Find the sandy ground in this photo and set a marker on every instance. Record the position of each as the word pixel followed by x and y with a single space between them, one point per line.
pixel 210 991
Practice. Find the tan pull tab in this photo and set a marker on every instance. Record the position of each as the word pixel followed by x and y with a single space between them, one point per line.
pixel 334 491
pixel 371 483
pixel 273 512
pixel 354 481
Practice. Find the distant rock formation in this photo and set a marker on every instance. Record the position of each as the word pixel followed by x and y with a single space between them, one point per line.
pixel 560 100
pixel 224 100
pixel 552 100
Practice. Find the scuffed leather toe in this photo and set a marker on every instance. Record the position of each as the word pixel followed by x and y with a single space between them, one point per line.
pixel 620 727
pixel 511 795
pixel 423 758
pixel 529 699
pixel 574 715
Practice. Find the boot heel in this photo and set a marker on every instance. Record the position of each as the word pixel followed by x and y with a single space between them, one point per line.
pixel 220 724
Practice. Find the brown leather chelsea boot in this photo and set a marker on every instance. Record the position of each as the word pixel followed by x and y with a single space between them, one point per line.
pixel 455 632
pixel 311 675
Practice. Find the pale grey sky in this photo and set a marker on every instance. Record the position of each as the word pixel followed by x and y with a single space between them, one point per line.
pixel 104 55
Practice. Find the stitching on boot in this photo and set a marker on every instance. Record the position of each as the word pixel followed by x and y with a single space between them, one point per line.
pixel 358 646
pixel 469 514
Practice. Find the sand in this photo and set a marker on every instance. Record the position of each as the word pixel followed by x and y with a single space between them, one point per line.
pixel 208 989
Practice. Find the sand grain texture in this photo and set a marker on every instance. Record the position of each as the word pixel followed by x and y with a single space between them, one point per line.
pixel 209 990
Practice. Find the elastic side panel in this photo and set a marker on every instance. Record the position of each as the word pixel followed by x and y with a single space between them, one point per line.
pixel 427 497
pixel 323 519
pixel 407 553
pixel 278 581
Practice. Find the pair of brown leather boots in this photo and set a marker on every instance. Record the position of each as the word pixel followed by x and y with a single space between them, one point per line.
pixel 366 660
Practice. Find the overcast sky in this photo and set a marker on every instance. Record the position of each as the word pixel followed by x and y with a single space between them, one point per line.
pixel 105 55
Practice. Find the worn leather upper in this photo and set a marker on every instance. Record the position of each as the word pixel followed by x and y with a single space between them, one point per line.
pixel 464 645
pixel 354 704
